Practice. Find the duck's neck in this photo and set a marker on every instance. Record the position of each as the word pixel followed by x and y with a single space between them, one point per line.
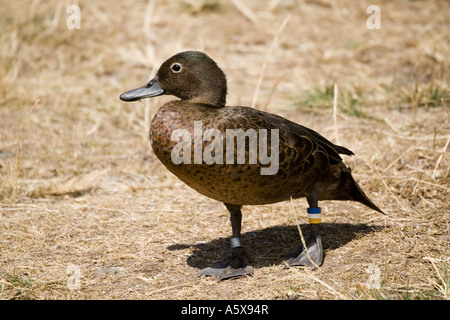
pixel 212 97
pixel 213 103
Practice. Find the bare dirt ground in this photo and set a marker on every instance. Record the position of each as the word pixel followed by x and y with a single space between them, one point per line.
pixel 88 212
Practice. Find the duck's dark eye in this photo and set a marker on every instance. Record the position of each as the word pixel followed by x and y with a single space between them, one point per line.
pixel 176 67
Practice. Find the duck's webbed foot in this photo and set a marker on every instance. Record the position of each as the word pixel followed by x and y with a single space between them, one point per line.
pixel 311 257
pixel 238 265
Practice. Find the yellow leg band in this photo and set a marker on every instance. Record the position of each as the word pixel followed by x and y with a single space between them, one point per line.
pixel 315 221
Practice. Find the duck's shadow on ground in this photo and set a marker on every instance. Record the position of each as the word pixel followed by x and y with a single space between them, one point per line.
pixel 267 246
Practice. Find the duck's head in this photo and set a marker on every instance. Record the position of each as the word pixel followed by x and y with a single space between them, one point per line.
pixel 192 76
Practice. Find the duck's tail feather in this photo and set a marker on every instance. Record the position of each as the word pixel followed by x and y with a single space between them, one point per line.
pixel 343 150
pixel 358 195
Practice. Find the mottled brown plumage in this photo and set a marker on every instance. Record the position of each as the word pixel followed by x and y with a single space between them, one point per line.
pixel 309 165
pixel 306 158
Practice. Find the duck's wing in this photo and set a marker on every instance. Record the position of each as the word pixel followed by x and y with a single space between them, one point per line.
pixel 330 148
pixel 298 135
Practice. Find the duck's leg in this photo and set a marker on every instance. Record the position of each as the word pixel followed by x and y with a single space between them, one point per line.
pixel 238 264
pixel 312 256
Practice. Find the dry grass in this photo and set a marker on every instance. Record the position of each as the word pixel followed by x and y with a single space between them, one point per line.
pixel 80 185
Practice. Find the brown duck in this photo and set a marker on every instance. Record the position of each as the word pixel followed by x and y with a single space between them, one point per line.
pixel 242 156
